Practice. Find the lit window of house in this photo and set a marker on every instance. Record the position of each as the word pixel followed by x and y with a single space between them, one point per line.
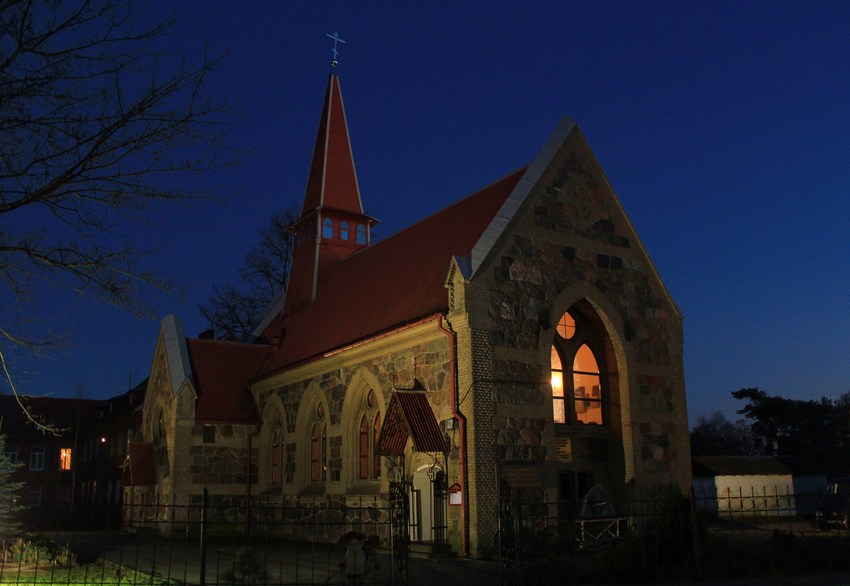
pixel 65 458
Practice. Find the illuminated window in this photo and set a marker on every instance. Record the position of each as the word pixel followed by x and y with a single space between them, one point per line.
pixel 343 230
pixel 327 228
pixel 566 326
pixel 65 459
pixel 577 389
pixel 37 459
pixel 361 234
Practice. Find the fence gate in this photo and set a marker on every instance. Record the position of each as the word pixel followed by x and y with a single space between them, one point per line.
pixel 507 536
pixel 400 532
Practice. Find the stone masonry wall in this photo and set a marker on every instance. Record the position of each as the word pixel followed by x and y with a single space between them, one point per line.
pixel 573 230
pixel 426 364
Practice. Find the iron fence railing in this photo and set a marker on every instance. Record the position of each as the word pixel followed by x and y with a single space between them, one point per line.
pixel 339 540
pixel 665 536
pixel 274 541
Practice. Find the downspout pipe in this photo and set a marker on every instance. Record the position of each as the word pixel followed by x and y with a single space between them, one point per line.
pixel 461 418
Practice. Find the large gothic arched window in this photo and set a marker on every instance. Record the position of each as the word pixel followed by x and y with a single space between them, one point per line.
pixel 578 394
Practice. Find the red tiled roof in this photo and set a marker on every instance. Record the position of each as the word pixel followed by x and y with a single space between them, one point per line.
pixel 333 163
pixel 391 283
pixel 410 415
pixel 222 372
pixel 138 469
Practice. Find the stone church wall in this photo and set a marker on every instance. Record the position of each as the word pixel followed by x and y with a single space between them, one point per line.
pixel 573 230
pixel 401 365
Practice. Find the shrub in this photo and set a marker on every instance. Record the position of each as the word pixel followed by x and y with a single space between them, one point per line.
pixel 246 569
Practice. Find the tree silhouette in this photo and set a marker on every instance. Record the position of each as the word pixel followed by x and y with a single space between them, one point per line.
pixel 237 309
pixel 96 118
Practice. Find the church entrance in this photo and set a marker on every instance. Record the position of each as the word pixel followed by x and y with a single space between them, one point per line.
pixel 428 505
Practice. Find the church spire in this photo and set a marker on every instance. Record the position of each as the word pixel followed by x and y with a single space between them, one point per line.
pixel 332 225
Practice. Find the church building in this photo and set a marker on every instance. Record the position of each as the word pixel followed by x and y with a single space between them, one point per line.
pixel 520 339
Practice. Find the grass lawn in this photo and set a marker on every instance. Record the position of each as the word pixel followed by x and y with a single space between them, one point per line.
pixel 99 573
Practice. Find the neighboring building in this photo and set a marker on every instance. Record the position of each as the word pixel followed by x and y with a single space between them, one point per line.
pixel 48 460
pixel 730 486
pixel 103 448
pixel 519 338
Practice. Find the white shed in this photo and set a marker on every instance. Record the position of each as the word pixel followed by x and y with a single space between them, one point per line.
pixel 756 486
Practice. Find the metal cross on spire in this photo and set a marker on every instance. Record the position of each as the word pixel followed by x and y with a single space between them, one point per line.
pixel 336 40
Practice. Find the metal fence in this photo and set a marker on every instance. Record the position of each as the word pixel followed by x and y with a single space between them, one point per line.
pixel 276 541
pixel 657 538
pixel 665 536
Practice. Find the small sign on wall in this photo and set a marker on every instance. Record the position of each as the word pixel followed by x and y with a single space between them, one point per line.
pixel 455 495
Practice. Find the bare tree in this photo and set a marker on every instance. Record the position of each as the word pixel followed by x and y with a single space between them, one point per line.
pixel 95 119
pixel 238 309
pixel 715 435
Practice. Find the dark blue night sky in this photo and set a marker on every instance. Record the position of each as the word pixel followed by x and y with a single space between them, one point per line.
pixel 724 127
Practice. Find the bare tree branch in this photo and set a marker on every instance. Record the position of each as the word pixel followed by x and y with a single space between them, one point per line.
pixel 236 310
pixel 97 116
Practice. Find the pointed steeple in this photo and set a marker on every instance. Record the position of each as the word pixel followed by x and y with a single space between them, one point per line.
pixel 332 225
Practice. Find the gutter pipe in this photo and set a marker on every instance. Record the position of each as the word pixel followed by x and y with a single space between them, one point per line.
pixel 461 418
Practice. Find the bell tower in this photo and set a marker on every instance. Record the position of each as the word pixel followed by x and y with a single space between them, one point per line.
pixel 332 225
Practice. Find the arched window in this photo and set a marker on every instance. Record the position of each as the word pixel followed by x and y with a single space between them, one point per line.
pixel 376 458
pixel 327 228
pixel 318 452
pixel 343 230
pixel 369 428
pixel 319 446
pixel 365 454
pixel 577 389
pixel 361 234
pixel 277 450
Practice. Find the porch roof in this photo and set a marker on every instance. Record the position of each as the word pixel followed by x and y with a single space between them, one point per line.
pixel 409 415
